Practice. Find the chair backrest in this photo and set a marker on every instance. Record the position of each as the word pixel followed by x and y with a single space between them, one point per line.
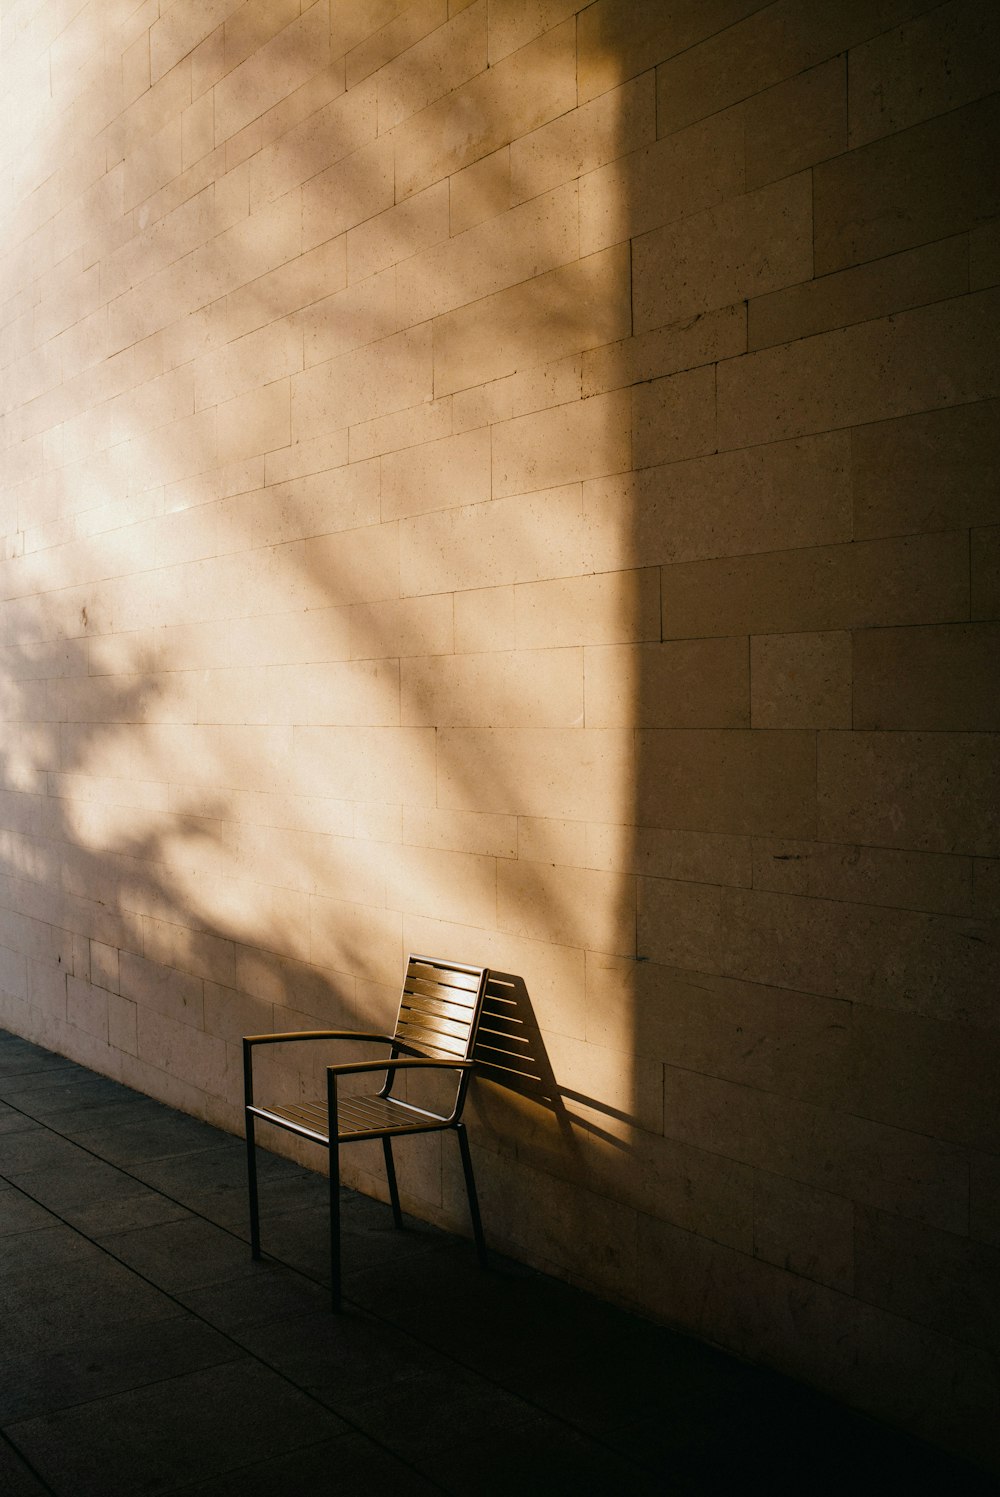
pixel 439 1010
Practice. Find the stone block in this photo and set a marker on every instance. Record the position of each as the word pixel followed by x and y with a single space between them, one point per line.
pixel 365 693
pixel 668 350
pixel 272 71
pixel 604 608
pixel 936 882
pixel 674 418
pixel 392 765
pixel 661 183
pixel 513 97
pixel 915 278
pixel 984 256
pixel 935 471
pixel 403 31
pixel 702 857
pixel 198 1060
pixel 440 62
pixel 252 25
pixel 298 283
pixel 986 888
pixel 349 319
pixel 174 35
pixel 197 131
pixel 511 27
pixel 460 831
pixel 908 962
pixel 305 458
pixel 985 1199
pixel 929 66
pixel 730 781
pixel 939 679
pixel 484 620
pixel 401 628
pixel 805 1230
pixel 104 966
pixel 927 791
pixel 135 69
pixel 568 772
pixel 913 580
pixel 713 259
pixel 522 539
pixel 917 185
pixel 426 881
pixel 914 1072
pixel 122 1024
pixel 570 442
pixel 300 149
pixel 755 49
pixel 923 359
pixel 386 376
pixel 480 191
pixel 401 231
pixel 796 124
pixel 677 684
pixel 680 925
pixel 574 307
pixel 494 690
pixel 775 497
pixel 932 1277
pixel 436 475
pixel 619 38
pixel 582 140
pixel 524 242
pixel 801 680
pixel 426 422
pixel 698 1192
pixel 986 572
pixel 850 1157
pixel 154 987
pixel 259 421
pixel 347 193
pixel 583 907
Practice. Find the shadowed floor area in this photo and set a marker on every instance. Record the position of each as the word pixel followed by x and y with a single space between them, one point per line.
pixel 143 1351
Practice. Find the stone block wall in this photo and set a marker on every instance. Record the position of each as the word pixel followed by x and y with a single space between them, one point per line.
pixel 519 482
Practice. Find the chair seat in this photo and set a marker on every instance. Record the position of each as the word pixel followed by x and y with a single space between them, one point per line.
pixel 357 1117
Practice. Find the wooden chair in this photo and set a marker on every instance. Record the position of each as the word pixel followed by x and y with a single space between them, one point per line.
pixel 435 1030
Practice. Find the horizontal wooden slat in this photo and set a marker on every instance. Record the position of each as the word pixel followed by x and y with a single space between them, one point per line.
pixel 431 1007
pixel 435 1044
pixel 443 992
pixel 435 1023
pixel 447 976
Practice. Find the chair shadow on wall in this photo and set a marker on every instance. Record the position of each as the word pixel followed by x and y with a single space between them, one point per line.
pixel 510 1053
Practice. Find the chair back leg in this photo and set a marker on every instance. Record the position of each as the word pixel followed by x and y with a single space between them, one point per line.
pixel 390 1174
pixel 470 1186
pixel 252 1187
pixel 334 1223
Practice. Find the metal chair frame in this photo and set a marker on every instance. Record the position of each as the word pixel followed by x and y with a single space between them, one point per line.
pixel 435 1030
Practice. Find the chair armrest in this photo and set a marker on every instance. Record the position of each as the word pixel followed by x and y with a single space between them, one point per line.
pixel 291 1036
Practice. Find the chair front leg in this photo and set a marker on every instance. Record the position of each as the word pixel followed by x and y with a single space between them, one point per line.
pixel 470 1186
pixel 390 1174
pixel 334 1151
pixel 250 1120
pixel 252 1187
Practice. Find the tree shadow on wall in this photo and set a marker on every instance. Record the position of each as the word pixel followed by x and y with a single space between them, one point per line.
pixel 195 849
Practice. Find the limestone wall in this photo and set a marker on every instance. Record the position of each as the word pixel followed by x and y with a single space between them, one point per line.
pixel 518 481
